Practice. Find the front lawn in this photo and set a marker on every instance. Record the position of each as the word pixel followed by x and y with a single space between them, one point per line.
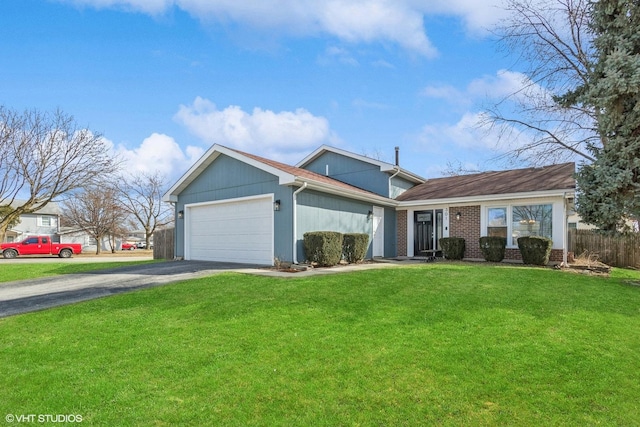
pixel 435 344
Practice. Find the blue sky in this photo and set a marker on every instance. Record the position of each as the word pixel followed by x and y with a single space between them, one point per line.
pixel 163 80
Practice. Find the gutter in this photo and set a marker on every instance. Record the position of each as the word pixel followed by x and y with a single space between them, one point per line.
pixel 565 237
pixel 295 220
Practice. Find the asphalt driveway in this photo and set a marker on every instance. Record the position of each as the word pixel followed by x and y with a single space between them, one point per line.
pixel 37 294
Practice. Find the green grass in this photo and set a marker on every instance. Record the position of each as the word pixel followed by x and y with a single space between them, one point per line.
pixel 439 344
pixel 23 271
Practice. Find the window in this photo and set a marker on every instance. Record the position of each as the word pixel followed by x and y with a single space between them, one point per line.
pixel 531 220
pixel 497 222
pixel 45 221
pixel 520 220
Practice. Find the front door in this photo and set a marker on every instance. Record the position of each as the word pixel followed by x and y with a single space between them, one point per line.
pixel 428 229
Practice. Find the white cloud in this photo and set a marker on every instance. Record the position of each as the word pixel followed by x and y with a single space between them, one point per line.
pixel 478 15
pixel 279 135
pixel 448 93
pixel 337 54
pixel 505 83
pixel 472 133
pixel 466 133
pixel 152 7
pixel 158 152
pixel 357 21
pixel 361 104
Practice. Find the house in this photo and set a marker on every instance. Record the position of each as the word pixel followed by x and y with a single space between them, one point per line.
pixel 45 221
pixel 510 204
pixel 237 207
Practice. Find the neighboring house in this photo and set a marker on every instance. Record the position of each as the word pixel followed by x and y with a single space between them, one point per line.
pixel 46 221
pixel 74 235
pixel 237 207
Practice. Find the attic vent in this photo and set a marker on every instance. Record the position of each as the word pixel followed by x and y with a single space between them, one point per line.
pixel 326 170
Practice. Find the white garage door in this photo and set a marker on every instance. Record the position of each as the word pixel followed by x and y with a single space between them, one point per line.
pixel 240 230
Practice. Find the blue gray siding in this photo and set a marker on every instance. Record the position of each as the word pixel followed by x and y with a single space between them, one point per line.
pixel 399 186
pixel 323 212
pixel 352 171
pixel 228 178
pixel 390 233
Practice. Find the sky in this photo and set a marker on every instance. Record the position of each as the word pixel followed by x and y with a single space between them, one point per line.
pixel 164 80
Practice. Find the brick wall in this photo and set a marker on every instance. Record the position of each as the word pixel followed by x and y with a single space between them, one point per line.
pixel 467 227
pixel 402 232
pixel 514 254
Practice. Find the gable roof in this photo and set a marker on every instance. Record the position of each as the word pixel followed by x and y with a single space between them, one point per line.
pixel 287 175
pixel 51 208
pixel 554 178
pixel 384 166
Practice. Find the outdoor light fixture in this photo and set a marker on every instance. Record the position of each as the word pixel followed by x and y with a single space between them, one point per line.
pixel 458 216
pixel 370 215
pixel 276 205
pixel 180 214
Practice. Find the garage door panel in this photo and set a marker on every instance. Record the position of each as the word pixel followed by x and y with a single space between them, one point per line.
pixel 237 231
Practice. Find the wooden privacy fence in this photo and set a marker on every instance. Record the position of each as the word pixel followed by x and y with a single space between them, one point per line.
pixel 620 250
pixel 163 244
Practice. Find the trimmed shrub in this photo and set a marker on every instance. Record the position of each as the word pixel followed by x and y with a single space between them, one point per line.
pixel 323 247
pixel 354 247
pixel 493 248
pixel 452 247
pixel 535 250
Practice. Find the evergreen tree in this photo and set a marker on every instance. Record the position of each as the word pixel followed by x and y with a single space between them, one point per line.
pixel 609 188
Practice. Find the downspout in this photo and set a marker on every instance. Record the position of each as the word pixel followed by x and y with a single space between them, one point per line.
pixel 295 221
pixel 565 238
pixel 397 168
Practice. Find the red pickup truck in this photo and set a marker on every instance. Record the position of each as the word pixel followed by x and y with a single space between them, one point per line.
pixel 39 245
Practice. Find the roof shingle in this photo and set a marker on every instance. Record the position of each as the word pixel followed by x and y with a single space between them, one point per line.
pixel 303 173
pixel 554 177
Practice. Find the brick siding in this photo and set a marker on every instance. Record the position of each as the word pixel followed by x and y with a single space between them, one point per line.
pixel 467 227
pixel 402 232
pixel 514 254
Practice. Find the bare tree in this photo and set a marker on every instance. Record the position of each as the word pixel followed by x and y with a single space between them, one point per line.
pixel 43 156
pixel 96 211
pixel 551 39
pixel 456 168
pixel 142 200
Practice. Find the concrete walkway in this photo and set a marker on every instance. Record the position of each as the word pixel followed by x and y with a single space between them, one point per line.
pixel 38 294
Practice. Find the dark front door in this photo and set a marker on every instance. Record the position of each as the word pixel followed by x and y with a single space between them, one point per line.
pixel 428 226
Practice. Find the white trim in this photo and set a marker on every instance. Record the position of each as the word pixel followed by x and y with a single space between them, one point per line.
pixel 557 218
pixel 476 200
pixel 377 250
pixel 213 153
pixel 411 223
pixel 295 221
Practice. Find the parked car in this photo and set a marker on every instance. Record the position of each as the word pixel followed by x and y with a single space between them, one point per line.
pixel 39 245
pixel 141 245
pixel 128 246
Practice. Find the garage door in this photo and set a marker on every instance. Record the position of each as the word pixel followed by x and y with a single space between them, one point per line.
pixel 239 230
